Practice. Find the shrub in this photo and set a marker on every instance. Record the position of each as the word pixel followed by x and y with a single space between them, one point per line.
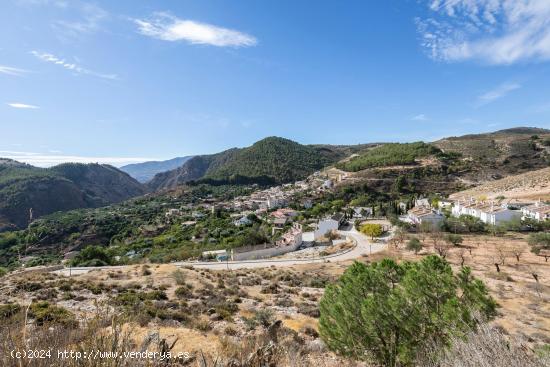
pixel 539 241
pixel 390 312
pixel 3 271
pixel 454 239
pixel 45 313
pixel 415 245
pixel 183 292
pixel 9 310
pixel 264 317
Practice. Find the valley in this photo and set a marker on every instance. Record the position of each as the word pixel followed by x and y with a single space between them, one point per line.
pixel 213 255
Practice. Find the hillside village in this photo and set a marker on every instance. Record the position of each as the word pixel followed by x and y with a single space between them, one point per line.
pixel 213 263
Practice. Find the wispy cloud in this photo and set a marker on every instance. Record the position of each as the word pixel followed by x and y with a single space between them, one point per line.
pixel 167 27
pixel 22 105
pixel 77 69
pixel 48 160
pixel 496 93
pixel 491 31
pixel 420 117
pixel 9 70
pixel 90 20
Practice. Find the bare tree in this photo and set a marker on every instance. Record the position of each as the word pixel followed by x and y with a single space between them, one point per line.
pixel 500 255
pixel 517 250
pixel 462 255
pixel 442 248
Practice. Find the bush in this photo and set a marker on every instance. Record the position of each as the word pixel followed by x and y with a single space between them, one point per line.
pixel 92 256
pixel 45 313
pixel 539 241
pixel 389 312
pixel 454 239
pixel 3 271
pixel 9 310
pixel 264 317
pixel 183 292
pixel 415 245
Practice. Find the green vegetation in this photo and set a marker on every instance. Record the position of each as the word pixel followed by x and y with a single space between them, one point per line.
pixel 388 313
pixel 464 224
pixel 415 245
pixel 23 187
pixel 391 154
pixel 372 230
pixel 269 161
pixel 539 241
pixel 9 310
pixel 134 230
pixel 454 239
pixel 45 313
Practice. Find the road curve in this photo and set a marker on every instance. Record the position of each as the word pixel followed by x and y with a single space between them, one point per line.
pixel 363 247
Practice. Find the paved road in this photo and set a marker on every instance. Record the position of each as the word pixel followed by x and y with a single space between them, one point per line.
pixel 363 247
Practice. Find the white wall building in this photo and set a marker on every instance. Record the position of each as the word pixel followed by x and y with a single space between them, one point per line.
pixel 538 211
pixel 487 212
pixel 328 224
pixel 421 215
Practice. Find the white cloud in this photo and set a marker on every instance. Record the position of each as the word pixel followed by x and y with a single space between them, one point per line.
pixel 90 20
pixel 169 28
pixel 22 105
pixel 48 160
pixel 11 70
pixel 47 57
pixel 497 93
pixel 420 117
pixel 491 31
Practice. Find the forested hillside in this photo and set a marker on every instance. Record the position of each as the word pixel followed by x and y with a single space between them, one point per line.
pixel 270 160
pixel 64 187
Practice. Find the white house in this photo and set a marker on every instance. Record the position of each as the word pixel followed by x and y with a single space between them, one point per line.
pixel 329 224
pixel 421 215
pixel 243 221
pixel 497 215
pixel 538 211
pixel 422 202
pixel 487 212
pixel 360 212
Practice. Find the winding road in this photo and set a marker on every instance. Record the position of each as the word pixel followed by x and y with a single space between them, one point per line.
pixel 363 247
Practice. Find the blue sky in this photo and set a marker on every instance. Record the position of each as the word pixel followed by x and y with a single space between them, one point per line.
pixel 129 80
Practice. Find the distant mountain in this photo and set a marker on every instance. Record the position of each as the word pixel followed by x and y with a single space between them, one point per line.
pixel 145 171
pixel 63 187
pixel 270 160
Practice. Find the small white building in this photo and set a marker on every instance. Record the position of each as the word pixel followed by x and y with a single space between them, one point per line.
pixel 538 211
pixel 243 221
pixel 328 224
pixel 360 212
pixel 421 215
pixel 498 215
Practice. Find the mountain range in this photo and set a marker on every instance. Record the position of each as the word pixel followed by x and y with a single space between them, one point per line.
pixel 455 162
pixel 145 171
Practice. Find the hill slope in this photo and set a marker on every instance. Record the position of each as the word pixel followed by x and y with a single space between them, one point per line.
pixel 531 185
pixel 64 187
pixel 501 153
pixel 271 159
pixel 145 171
